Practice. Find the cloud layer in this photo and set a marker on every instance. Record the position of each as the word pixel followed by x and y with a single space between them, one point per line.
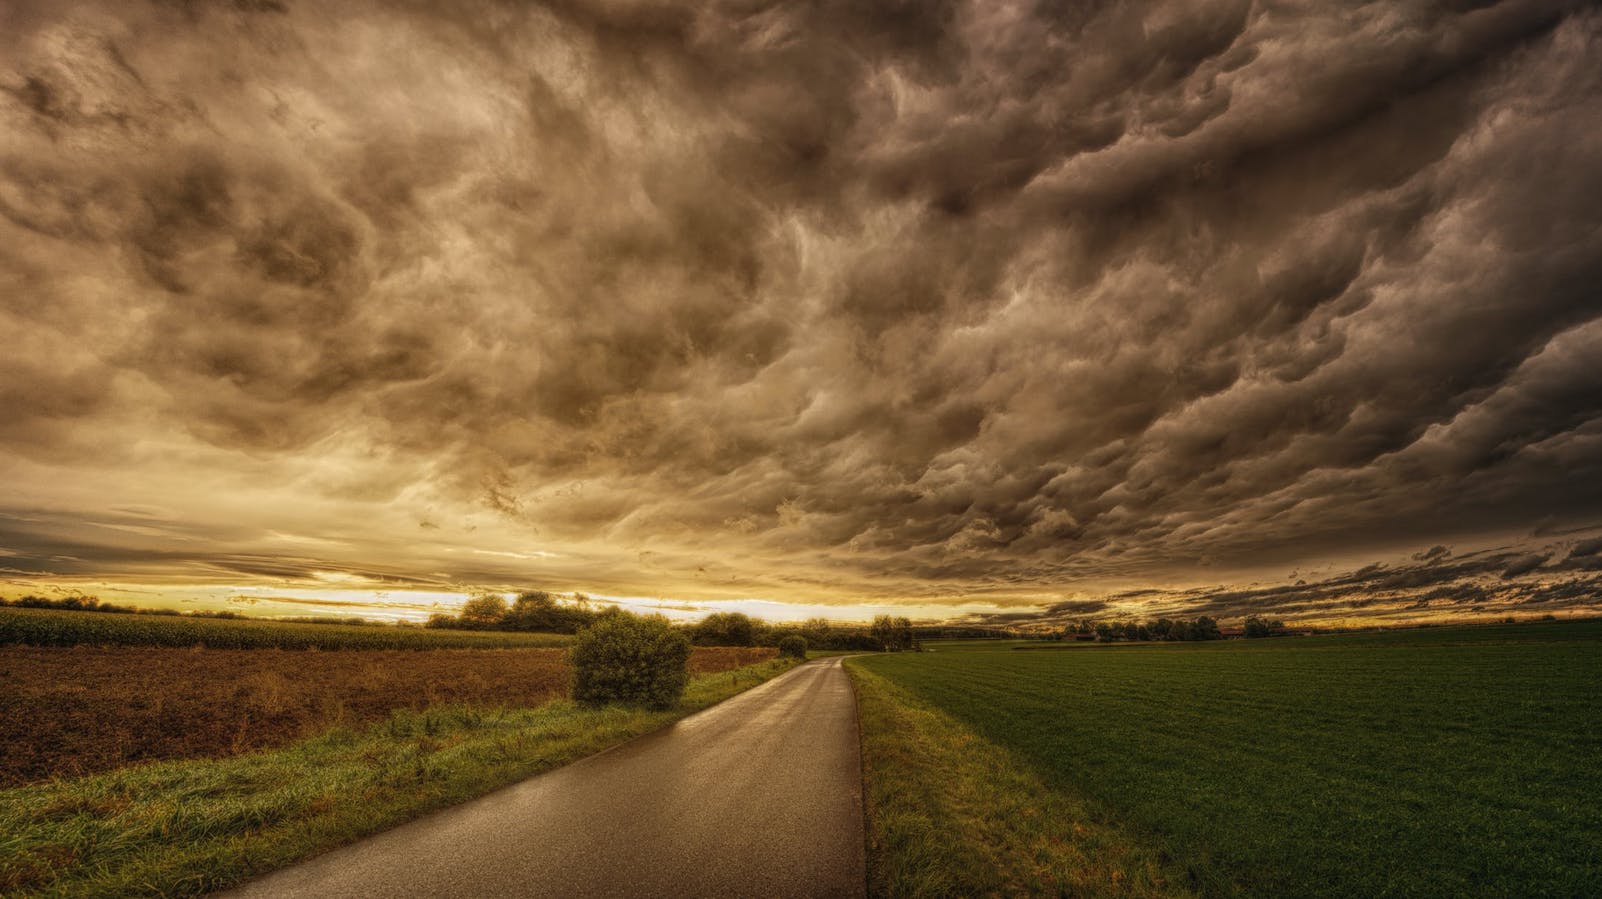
pixel 835 302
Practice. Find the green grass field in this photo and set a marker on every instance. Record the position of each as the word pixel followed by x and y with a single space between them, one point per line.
pixel 1444 761
pixel 50 627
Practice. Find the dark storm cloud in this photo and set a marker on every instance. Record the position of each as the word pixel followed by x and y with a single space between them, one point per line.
pixel 844 300
pixel 1496 581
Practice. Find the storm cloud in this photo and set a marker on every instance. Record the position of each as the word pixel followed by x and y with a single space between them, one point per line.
pixel 1040 303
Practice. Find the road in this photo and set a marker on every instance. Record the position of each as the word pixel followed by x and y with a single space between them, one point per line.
pixel 758 796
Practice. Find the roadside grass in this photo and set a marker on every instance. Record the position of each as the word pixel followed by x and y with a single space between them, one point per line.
pixel 1437 762
pixel 55 627
pixel 951 814
pixel 189 827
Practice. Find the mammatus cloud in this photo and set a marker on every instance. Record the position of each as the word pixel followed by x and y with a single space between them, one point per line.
pixel 836 302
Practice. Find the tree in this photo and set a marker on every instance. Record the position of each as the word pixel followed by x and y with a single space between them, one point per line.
pixel 533 611
pixel 484 611
pixel 904 637
pixel 1205 629
pixel 540 611
pixel 726 629
pixel 1262 627
pixel 816 631
pixel 884 632
pixel 793 647
pixel 893 634
pixel 630 659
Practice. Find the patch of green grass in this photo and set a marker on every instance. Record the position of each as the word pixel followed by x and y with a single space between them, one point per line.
pixel 1445 761
pixel 53 627
pixel 183 828
pixel 938 646
pixel 952 814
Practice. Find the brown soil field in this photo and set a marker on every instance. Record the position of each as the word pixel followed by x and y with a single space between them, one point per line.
pixel 65 712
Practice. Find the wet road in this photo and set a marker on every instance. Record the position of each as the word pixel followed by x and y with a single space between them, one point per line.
pixel 758 796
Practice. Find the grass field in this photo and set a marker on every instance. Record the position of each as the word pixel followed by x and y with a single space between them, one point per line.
pixel 50 627
pixel 1444 761
pixel 189 827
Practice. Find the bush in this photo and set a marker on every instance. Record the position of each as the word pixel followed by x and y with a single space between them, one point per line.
pixel 793 647
pixel 630 659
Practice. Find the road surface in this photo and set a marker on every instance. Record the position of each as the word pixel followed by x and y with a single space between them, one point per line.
pixel 758 796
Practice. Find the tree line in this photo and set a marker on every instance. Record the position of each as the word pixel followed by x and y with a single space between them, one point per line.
pixel 547 613
pixel 1202 627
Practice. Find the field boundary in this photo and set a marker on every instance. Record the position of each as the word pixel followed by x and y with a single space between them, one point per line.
pixel 950 813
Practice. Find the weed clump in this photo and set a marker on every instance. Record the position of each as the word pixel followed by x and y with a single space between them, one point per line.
pixel 793 647
pixel 632 660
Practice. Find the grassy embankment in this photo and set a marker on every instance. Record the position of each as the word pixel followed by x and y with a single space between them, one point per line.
pixel 187 827
pixel 1445 761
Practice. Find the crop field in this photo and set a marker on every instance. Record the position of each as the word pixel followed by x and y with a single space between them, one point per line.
pixel 192 826
pixel 1446 761
pixel 72 711
pixel 49 627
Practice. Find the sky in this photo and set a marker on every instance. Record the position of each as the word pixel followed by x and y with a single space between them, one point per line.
pixel 997 311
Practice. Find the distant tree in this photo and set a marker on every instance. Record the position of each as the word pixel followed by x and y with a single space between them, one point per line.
pixel 532 611
pixel 816 631
pixel 893 634
pixel 793 647
pixel 1104 632
pixel 540 611
pixel 726 629
pixel 630 659
pixel 1262 627
pixel 883 630
pixel 906 639
pixel 1205 628
pixel 484 611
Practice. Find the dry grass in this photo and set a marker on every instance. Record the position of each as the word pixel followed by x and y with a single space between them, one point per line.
pixel 68 712
pixel 194 826
pixel 951 814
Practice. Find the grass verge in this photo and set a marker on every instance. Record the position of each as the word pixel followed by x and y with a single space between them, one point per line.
pixel 950 814
pixel 188 827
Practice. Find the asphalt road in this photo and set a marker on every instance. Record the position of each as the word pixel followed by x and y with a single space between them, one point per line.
pixel 758 796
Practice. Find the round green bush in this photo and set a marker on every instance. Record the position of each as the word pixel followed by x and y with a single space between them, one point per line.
pixel 632 660
pixel 793 646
